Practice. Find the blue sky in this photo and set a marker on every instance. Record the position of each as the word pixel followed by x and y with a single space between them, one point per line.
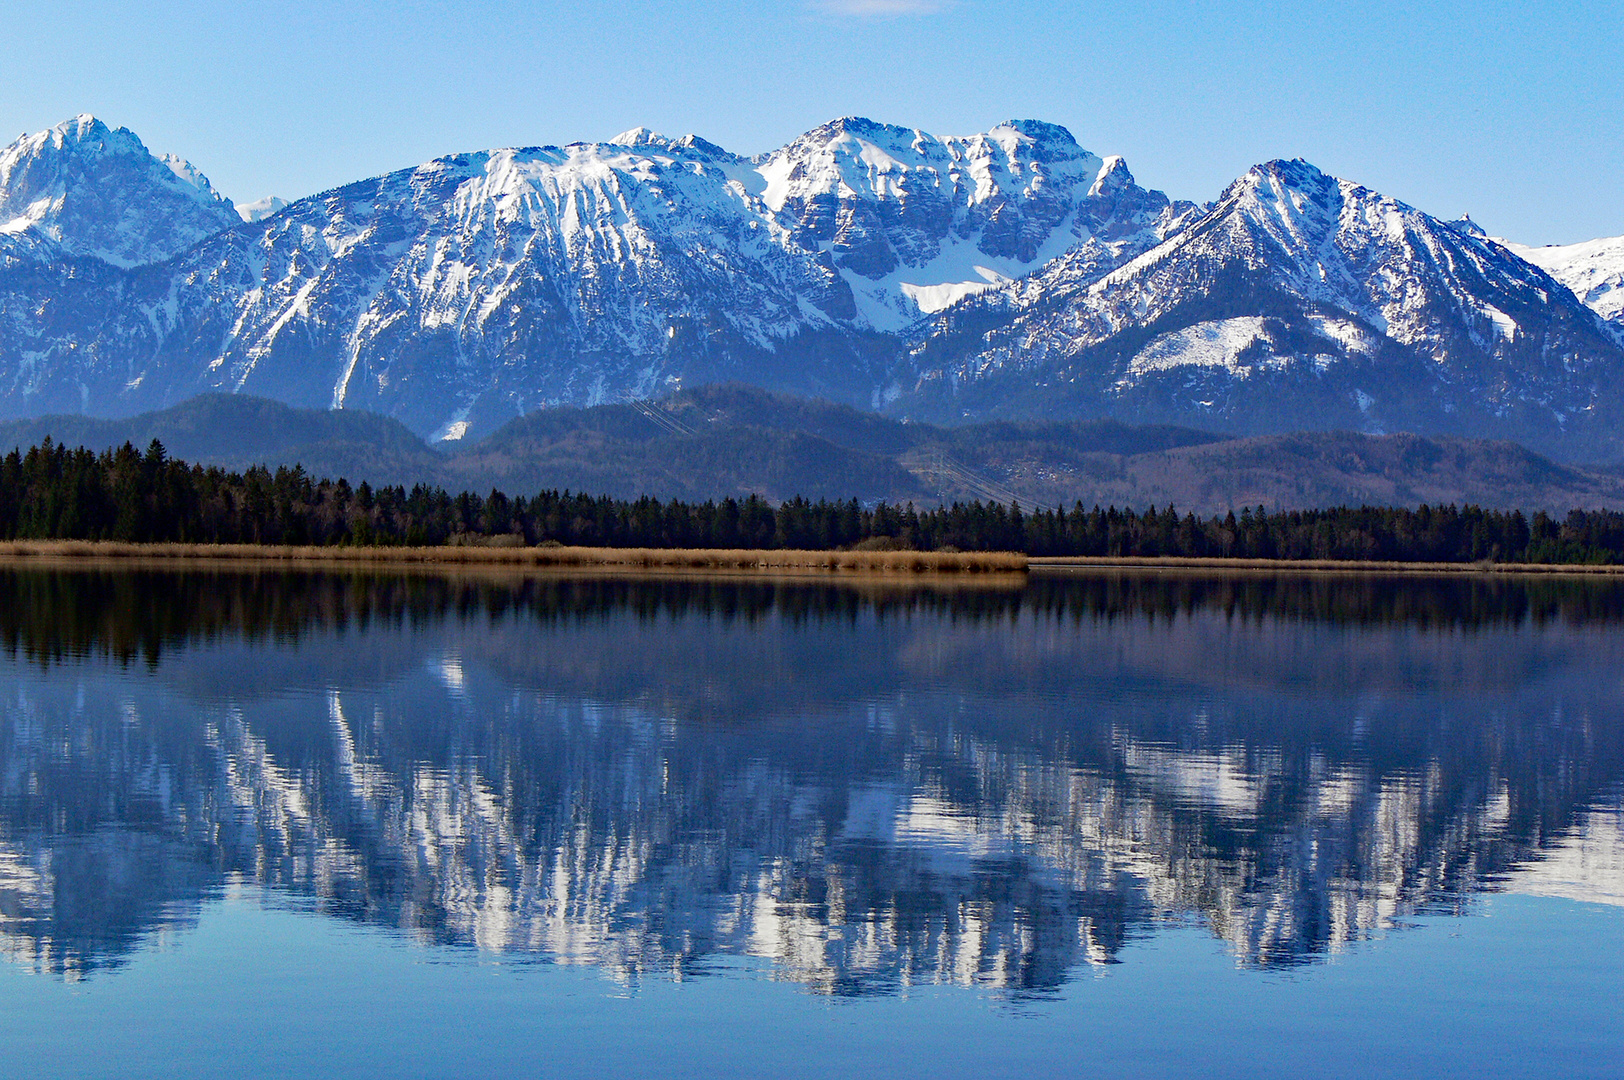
pixel 1511 112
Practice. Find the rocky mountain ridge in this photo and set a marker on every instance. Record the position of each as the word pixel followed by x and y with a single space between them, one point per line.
pixel 84 190
pixel 1296 295
pixel 1594 270
pixel 1006 274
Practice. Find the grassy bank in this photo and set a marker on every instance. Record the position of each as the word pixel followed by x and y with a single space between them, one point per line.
pixel 683 559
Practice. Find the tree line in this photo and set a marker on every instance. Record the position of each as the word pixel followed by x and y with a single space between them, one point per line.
pixel 53 616
pixel 53 492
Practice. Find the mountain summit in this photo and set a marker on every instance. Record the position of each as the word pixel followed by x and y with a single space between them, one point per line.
pixel 1009 273
pixel 1296 299
pixel 96 191
pixel 479 286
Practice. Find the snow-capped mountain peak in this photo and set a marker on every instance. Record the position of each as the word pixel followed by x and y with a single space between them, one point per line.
pixel 1594 270
pixel 1296 298
pixel 640 136
pixel 915 222
pixel 260 209
pixel 1010 271
pixel 90 190
pixel 689 145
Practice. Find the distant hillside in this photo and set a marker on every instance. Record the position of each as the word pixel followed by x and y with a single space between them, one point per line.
pixel 235 431
pixel 1320 469
pixel 733 440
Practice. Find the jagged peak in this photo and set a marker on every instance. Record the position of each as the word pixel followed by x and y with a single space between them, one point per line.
pixel 1041 131
pixel 648 138
pixel 1114 176
pixel 705 146
pixel 190 175
pixel 1297 184
pixel 859 127
pixel 857 124
pixel 81 126
pixel 87 134
pixel 260 209
pixel 1032 131
pixel 1016 141
pixel 640 136
pixel 97 191
pixel 1291 184
pixel 1292 172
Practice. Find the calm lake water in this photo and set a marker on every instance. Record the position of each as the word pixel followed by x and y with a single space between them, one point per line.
pixel 292 825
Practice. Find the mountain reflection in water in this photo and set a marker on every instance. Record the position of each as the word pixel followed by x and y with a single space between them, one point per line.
pixel 872 786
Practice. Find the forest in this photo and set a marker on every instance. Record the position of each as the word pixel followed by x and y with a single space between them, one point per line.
pixel 53 492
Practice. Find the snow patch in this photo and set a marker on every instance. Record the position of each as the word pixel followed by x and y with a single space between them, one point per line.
pixel 930 299
pixel 260 209
pixel 1215 344
pixel 1593 270
pixel 1351 336
pixel 1502 322
pixel 453 429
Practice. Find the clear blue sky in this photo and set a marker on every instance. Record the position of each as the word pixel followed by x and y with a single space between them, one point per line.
pixel 1513 112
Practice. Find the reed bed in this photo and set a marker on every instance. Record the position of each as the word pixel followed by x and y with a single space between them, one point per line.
pixel 684 559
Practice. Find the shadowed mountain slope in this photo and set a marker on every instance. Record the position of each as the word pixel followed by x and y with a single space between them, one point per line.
pixel 235 431
pixel 722 441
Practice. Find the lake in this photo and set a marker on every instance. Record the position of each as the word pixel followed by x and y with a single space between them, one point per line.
pixel 1162 824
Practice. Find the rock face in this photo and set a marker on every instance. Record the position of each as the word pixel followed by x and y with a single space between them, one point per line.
pixel 1298 300
pixel 480 286
pixel 1010 273
pixel 90 191
pixel 914 222
pixel 1594 270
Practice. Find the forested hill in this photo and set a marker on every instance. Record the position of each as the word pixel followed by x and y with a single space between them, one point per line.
pixel 719 441
pixel 53 492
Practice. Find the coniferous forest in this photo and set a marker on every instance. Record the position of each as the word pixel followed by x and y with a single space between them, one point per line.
pixel 53 492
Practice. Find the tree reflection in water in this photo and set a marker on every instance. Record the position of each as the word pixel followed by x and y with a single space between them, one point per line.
pixel 873 785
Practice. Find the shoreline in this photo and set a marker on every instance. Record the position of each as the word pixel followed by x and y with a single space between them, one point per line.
pixel 643 560
pixel 709 561
pixel 1314 566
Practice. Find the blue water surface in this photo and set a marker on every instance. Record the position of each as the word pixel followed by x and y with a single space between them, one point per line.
pixel 1143 825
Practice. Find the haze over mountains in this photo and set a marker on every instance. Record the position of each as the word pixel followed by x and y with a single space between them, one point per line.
pixel 1010 275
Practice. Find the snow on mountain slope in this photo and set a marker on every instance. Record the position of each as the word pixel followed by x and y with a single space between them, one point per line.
pixel 915 222
pixel 480 286
pixel 517 276
pixel 95 191
pixel 1594 270
pixel 260 209
pixel 1297 294
pixel 1010 273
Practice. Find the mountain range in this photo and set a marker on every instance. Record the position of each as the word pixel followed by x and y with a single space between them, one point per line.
pixel 1006 276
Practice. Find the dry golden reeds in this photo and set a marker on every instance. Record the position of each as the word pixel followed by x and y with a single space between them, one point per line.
pixel 893 562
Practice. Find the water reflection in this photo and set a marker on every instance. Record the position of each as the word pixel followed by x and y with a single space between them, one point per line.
pixel 874 787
